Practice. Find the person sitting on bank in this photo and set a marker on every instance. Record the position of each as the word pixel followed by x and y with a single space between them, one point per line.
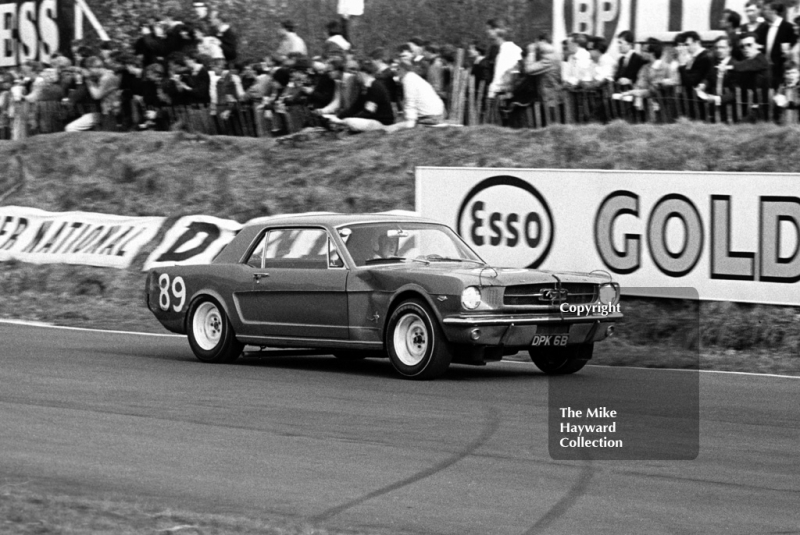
pixel 373 109
pixel 421 104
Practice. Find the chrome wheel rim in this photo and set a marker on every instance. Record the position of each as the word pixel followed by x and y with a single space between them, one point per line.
pixel 411 339
pixel 207 326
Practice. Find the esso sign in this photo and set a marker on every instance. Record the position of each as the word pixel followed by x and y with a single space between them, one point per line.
pixel 592 17
pixel 29 30
pixel 507 222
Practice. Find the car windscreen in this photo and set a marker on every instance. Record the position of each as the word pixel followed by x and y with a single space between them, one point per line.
pixel 383 243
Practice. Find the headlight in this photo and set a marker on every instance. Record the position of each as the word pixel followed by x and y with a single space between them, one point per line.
pixel 609 293
pixel 471 298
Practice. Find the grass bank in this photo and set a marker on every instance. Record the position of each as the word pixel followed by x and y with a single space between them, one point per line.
pixel 176 174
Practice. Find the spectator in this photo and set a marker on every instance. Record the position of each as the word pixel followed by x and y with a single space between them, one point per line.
pixel 197 81
pixel 324 86
pixel 577 69
pixel 695 62
pixel 752 11
pixel 479 64
pixel 290 41
pixel 435 73
pixel 155 98
pixel 543 65
pixel 335 44
pixel 629 62
pixel 721 82
pixel 151 46
pixel 102 85
pixel 208 45
pixel 178 36
pixel 508 57
pixel 385 75
pixel 776 38
pixel 603 66
pixel 336 71
pixel 730 23
pixel 421 104
pixel 373 110
pixel 656 74
pixel 753 74
pixel 227 38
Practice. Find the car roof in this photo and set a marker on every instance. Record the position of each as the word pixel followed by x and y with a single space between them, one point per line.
pixel 335 219
pixel 234 251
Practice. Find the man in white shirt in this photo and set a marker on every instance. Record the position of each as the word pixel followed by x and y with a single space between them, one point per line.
pixel 578 66
pixel 290 41
pixel 421 104
pixel 505 64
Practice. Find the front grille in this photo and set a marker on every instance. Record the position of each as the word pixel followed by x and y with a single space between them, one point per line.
pixel 548 294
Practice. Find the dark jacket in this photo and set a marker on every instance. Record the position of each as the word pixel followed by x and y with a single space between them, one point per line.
pixel 723 83
pixel 776 57
pixel 230 44
pixel 386 77
pixel 753 74
pixel 631 70
pixel 697 70
pixel 375 96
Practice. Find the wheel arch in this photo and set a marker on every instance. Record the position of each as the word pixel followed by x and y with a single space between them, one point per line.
pixel 200 294
pixel 411 291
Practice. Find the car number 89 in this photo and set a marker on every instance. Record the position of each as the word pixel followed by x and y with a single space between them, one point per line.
pixel 550 340
pixel 178 288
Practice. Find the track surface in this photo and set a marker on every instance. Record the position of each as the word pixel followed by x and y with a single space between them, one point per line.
pixel 347 445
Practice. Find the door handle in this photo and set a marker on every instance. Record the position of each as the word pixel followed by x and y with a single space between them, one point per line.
pixel 259 276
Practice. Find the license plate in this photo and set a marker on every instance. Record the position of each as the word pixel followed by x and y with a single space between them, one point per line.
pixel 550 340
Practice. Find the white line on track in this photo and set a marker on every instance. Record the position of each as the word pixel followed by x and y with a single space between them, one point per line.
pixel 65 328
pixel 135 333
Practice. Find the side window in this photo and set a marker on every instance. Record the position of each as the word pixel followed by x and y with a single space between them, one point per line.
pixel 297 248
pixel 254 260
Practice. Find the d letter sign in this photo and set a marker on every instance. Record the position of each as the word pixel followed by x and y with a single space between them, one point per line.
pixel 732 236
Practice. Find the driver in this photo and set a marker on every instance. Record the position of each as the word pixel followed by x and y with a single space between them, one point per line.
pixel 386 247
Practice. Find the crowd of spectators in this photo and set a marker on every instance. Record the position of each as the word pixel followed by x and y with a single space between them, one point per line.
pixel 199 68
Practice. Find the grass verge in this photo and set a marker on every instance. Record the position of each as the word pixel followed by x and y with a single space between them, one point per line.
pixel 175 174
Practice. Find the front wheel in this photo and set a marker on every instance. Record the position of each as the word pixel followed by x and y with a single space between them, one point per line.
pixel 415 342
pixel 211 336
pixel 561 360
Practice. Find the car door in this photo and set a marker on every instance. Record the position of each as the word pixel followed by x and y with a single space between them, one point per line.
pixel 298 287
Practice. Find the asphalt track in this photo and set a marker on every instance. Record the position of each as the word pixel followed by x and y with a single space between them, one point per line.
pixel 348 445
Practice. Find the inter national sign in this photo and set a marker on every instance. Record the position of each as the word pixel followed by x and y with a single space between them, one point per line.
pixel 732 236
pixel 193 239
pixel 39 237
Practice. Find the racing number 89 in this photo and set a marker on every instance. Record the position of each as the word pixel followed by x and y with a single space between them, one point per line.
pixel 178 288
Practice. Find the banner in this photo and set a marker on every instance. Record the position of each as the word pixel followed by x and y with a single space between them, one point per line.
pixel 34 30
pixel 732 236
pixel 39 237
pixel 195 239
pixel 645 18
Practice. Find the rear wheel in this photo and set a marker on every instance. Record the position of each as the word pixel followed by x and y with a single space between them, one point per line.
pixel 211 336
pixel 415 342
pixel 561 360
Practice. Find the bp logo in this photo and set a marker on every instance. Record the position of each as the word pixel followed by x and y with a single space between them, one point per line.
pixel 508 222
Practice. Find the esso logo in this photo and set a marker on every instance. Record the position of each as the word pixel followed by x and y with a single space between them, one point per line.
pixel 592 17
pixel 508 222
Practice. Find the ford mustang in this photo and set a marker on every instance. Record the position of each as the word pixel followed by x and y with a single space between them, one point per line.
pixel 379 285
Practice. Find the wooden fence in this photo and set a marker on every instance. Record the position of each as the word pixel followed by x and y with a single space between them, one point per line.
pixel 467 106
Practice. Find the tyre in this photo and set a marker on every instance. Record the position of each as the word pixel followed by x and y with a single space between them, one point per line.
pixel 561 360
pixel 415 342
pixel 210 334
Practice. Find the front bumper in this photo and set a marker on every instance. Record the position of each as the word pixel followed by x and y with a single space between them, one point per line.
pixel 518 330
